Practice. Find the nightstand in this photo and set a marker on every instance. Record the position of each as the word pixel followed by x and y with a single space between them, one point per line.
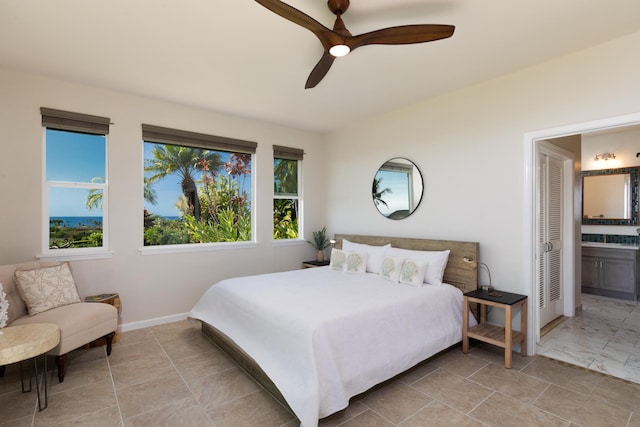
pixel 313 264
pixel 492 334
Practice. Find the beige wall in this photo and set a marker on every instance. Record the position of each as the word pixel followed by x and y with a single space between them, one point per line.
pixel 468 144
pixel 469 147
pixel 150 286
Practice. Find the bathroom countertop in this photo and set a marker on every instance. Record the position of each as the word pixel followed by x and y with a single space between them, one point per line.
pixel 630 246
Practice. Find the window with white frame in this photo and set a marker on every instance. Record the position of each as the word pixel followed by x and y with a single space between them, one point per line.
pixel 286 192
pixel 197 187
pixel 75 185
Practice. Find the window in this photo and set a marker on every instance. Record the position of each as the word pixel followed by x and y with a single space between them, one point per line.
pixel 286 192
pixel 75 188
pixel 197 187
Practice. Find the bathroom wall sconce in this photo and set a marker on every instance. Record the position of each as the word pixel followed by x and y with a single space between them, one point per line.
pixel 604 156
pixel 486 288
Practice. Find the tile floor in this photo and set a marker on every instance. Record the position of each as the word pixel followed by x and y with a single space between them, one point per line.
pixel 171 375
pixel 605 337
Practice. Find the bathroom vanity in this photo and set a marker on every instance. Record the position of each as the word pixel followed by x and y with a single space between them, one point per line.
pixel 611 270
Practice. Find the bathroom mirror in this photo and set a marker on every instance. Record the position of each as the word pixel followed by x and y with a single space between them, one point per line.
pixel 397 188
pixel 610 196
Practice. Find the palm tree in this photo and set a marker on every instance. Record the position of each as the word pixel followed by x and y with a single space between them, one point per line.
pixel 377 193
pixel 184 162
pixel 149 192
pixel 94 197
pixel 286 176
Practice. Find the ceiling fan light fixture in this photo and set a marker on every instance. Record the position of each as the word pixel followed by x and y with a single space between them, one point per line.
pixel 339 50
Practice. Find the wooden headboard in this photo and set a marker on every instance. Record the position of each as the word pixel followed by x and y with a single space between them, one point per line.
pixel 458 273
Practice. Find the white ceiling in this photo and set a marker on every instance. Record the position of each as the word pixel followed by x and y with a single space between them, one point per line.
pixel 237 57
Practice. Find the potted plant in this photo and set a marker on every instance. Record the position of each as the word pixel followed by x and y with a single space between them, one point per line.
pixel 320 242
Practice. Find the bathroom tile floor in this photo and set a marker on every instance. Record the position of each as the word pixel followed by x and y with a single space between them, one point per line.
pixel 605 337
pixel 171 375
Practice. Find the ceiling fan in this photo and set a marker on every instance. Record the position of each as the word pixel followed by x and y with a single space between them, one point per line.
pixel 339 41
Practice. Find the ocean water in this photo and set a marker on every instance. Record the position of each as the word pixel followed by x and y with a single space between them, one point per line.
pixel 78 221
pixel 87 221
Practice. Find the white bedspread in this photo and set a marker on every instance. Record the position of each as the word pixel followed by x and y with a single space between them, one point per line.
pixel 323 336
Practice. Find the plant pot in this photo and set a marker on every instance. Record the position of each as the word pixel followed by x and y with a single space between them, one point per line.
pixel 320 255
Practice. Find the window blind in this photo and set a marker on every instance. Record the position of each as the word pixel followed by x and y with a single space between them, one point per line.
pixel 162 135
pixel 75 122
pixel 288 153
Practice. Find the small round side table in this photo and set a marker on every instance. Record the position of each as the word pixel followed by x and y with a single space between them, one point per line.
pixel 22 342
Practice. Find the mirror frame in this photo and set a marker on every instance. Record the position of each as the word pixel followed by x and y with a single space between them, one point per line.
pixel 419 199
pixel 633 173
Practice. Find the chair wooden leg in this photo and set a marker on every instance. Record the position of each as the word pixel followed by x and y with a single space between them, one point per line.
pixel 109 339
pixel 61 361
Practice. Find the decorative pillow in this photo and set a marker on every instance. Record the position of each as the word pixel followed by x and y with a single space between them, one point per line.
pixel 356 263
pixel 391 267
pixel 412 272
pixel 375 254
pixel 338 259
pixel 43 289
pixel 436 261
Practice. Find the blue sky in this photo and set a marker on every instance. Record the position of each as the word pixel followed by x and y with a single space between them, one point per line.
pixel 168 190
pixel 396 199
pixel 77 157
pixel 73 157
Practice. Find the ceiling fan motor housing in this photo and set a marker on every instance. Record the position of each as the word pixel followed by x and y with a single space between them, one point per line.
pixel 338 7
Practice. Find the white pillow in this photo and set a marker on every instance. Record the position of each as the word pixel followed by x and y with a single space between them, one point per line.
pixel 413 272
pixel 391 267
pixel 43 289
pixel 356 263
pixel 436 262
pixel 338 259
pixel 375 254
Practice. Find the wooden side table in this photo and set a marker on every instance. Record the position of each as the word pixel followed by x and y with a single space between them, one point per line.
pixel 313 264
pixel 492 334
pixel 22 342
pixel 114 300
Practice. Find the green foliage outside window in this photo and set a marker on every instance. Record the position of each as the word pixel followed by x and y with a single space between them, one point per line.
pixel 285 219
pixel 63 237
pixel 285 203
pixel 215 206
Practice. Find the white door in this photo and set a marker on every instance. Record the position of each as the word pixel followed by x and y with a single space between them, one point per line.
pixel 549 257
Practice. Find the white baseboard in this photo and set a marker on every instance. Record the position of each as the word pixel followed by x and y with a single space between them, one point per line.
pixel 153 322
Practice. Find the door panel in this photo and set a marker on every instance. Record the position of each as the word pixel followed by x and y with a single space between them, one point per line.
pixel 618 275
pixel 550 238
pixel 590 271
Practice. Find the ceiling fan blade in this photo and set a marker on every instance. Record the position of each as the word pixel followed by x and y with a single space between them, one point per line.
pixel 327 37
pixel 336 39
pixel 404 34
pixel 320 70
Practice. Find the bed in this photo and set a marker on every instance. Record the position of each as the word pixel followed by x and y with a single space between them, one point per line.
pixel 316 337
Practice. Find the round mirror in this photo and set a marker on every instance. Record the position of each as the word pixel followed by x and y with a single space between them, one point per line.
pixel 397 188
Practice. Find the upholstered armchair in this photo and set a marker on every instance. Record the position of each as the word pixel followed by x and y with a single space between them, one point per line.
pixel 45 292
